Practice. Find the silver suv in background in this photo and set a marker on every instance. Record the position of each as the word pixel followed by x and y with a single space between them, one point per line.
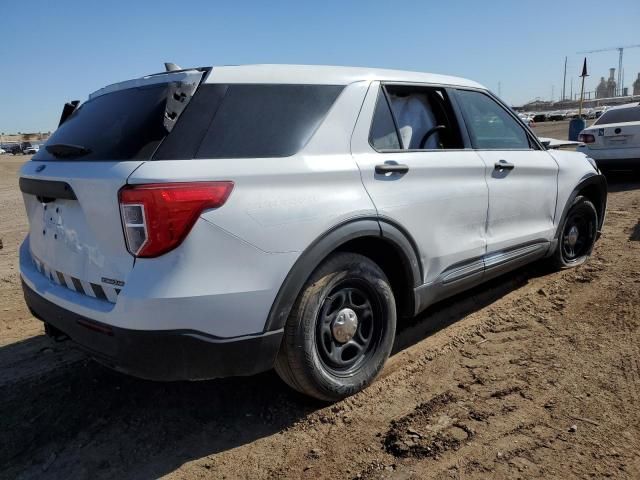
pixel 221 221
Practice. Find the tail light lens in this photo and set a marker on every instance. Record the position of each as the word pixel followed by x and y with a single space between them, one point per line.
pixel 586 138
pixel 157 217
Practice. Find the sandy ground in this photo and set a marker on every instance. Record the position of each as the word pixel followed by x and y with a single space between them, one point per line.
pixel 533 375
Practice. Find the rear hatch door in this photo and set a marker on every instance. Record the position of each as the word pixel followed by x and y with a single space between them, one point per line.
pixel 70 187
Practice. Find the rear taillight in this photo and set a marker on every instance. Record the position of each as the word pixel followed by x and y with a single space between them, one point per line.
pixel 157 217
pixel 586 138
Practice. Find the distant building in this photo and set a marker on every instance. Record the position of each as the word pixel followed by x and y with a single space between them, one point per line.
pixel 611 83
pixel 601 89
pixel 607 88
pixel 636 86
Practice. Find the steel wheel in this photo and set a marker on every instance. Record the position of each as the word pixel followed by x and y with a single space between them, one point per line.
pixel 348 327
pixel 578 236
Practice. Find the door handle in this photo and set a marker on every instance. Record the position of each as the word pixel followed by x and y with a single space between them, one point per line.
pixel 504 165
pixel 391 168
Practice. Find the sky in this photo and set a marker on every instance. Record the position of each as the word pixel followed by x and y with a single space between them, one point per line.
pixel 55 51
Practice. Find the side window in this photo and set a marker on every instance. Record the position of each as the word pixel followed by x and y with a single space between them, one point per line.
pixel 383 135
pixel 424 120
pixel 490 126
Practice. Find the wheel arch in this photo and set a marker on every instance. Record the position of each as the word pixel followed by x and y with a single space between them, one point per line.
pixel 593 187
pixel 367 236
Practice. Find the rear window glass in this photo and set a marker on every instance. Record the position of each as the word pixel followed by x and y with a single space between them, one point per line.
pixel 122 125
pixel 248 121
pixel 619 115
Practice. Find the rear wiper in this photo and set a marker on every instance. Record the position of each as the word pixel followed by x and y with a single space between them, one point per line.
pixel 65 150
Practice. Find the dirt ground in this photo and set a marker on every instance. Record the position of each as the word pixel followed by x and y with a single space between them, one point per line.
pixel 533 375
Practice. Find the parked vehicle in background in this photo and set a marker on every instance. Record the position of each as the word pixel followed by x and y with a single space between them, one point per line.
pixel 613 140
pixel 556 116
pixel 273 215
pixel 527 119
pixel 31 149
pixel 2 151
pixel 540 117
pixel 599 111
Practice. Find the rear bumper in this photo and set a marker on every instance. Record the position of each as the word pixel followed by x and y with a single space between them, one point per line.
pixel 163 355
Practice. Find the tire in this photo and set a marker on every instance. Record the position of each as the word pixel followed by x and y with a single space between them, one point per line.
pixel 317 356
pixel 581 219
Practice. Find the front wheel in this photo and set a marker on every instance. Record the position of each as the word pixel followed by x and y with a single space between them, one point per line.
pixel 577 234
pixel 341 329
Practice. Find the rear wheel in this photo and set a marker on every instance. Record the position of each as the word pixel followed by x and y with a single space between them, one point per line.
pixel 341 329
pixel 577 235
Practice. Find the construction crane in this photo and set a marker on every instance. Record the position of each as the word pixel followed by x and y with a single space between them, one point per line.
pixel 620 52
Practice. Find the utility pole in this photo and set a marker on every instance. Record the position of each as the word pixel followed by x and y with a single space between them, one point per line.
pixel 583 75
pixel 576 125
pixel 571 89
pixel 564 79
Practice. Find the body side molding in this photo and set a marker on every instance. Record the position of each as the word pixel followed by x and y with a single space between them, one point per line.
pixel 470 273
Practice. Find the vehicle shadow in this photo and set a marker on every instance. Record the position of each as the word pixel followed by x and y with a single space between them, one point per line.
pixel 82 420
pixel 623 181
pixel 449 311
pixel 75 418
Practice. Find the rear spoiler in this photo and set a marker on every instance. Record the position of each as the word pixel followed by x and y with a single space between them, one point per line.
pixel 192 76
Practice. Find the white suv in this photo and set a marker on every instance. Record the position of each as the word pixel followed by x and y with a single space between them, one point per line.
pixel 222 221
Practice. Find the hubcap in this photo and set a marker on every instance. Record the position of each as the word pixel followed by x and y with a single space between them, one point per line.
pixel 348 327
pixel 345 325
pixel 578 236
pixel 572 237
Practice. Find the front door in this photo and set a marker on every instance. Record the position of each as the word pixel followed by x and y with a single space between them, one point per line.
pixel 522 180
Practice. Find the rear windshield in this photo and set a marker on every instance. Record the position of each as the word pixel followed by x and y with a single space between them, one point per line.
pixel 248 121
pixel 619 115
pixel 122 125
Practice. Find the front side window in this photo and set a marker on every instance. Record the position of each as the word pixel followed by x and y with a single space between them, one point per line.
pixel 414 118
pixel 490 126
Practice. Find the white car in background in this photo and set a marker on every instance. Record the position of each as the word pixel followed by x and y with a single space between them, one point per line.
pixel 2 151
pixel 527 119
pixel 613 141
pixel 32 150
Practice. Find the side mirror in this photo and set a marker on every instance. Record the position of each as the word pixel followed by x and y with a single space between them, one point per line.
pixel 545 143
pixel 67 110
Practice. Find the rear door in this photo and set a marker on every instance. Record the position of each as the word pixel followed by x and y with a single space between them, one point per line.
pixel 420 176
pixel 71 186
pixel 522 179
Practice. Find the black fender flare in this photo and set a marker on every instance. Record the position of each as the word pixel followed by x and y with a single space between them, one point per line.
pixel 328 242
pixel 600 183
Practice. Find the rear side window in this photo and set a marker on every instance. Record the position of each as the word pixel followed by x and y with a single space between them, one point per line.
pixel 122 125
pixel 490 126
pixel 619 115
pixel 248 121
